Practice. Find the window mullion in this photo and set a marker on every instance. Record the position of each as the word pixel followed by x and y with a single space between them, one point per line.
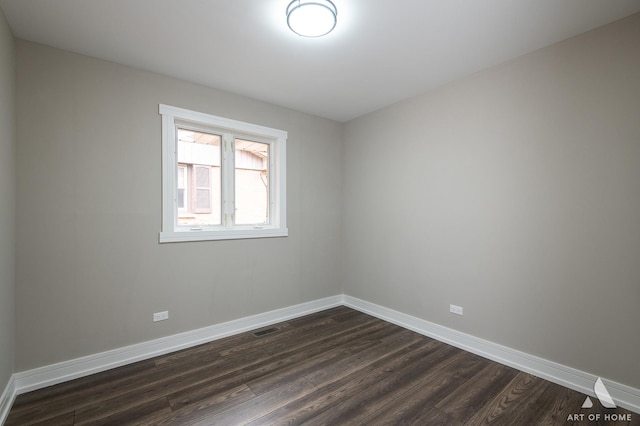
pixel 228 193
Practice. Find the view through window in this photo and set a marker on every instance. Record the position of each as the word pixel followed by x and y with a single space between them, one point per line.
pixel 199 185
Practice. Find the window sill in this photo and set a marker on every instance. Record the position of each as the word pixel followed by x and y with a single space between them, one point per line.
pixel 235 234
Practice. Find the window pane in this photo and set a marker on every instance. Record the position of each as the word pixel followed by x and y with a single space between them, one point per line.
pixel 202 189
pixel 199 154
pixel 202 177
pixel 181 176
pixel 182 187
pixel 252 182
pixel 181 196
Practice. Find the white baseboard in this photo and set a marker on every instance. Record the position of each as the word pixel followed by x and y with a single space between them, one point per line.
pixel 581 381
pixel 48 375
pixel 7 398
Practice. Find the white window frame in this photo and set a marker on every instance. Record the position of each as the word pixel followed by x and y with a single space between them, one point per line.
pixel 174 117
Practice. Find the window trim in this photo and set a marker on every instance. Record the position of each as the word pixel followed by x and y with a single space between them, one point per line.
pixel 173 117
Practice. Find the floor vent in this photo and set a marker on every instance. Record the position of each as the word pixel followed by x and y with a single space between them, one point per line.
pixel 265 331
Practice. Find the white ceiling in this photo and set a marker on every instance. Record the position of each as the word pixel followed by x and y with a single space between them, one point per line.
pixel 381 51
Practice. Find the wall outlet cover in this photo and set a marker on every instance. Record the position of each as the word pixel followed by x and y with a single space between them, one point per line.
pixel 160 316
pixel 456 310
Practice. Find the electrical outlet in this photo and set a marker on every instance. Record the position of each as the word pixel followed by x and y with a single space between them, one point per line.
pixel 456 310
pixel 161 316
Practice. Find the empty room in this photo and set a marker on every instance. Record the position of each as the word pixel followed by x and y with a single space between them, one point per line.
pixel 368 212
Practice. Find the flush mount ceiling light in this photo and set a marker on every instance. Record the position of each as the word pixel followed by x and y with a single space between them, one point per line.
pixel 312 18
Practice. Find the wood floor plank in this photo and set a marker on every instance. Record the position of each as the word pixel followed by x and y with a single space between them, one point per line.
pixel 253 344
pixel 205 408
pixel 300 352
pixel 356 396
pixel 301 336
pixel 250 410
pixel 191 355
pixel 507 403
pixel 65 419
pixel 565 402
pixel 338 366
pixel 325 360
pixel 336 391
pixel 333 335
pixel 357 360
pixel 463 402
pixel 173 378
pixel 325 326
pixel 143 386
pixel 410 409
pixel 151 390
pixel 415 401
pixel 115 385
pixel 432 378
pixel 79 386
pixel 127 415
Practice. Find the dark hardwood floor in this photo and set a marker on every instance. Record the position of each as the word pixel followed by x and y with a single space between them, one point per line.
pixel 336 367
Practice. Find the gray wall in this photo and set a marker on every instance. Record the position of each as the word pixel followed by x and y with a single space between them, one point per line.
pixel 90 271
pixel 7 202
pixel 515 194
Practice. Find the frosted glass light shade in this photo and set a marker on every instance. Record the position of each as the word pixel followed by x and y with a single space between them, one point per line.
pixel 312 18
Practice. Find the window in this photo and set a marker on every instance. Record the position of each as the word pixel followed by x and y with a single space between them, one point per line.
pixel 222 179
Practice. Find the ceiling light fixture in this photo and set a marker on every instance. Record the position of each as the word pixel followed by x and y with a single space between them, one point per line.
pixel 312 18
